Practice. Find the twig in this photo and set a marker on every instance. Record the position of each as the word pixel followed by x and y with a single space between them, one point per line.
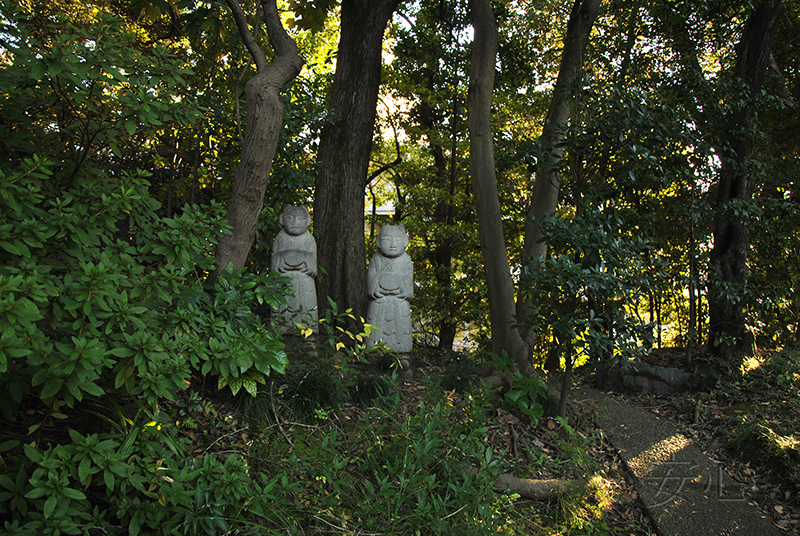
pixel 343 529
pixel 514 439
pixel 220 438
pixel 277 419
pixel 448 516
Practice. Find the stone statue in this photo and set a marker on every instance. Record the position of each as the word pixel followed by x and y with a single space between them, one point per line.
pixel 294 254
pixel 390 282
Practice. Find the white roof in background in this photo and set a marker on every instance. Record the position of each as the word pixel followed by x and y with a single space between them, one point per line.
pixel 382 210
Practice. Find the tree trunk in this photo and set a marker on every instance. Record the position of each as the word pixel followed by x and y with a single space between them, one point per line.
pixel 264 121
pixel 442 254
pixel 505 336
pixel 727 331
pixel 691 333
pixel 545 194
pixel 343 158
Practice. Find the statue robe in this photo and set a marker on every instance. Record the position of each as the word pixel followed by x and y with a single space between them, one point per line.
pixel 296 257
pixel 390 282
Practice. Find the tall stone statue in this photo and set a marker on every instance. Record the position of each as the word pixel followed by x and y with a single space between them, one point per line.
pixel 294 254
pixel 390 282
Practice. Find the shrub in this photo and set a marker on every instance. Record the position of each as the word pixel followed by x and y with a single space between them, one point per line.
pixel 89 313
pixel 103 305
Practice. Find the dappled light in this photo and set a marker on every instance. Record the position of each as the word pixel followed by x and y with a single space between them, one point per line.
pixel 382 267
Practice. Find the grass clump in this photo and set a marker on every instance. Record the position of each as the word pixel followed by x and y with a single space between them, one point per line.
pixel 392 470
pixel 310 391
pixel 460 375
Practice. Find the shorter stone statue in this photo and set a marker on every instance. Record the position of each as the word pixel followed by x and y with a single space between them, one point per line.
pixel 390 282
pixel 294 254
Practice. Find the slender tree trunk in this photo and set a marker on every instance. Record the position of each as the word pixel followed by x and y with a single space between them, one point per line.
pixel 727 331
pixel 264 121
pixel 692 335
pixel 545 194
pixel 343 158
pixel 505 337
pixel 630 41
pixel 442 255
pixel 566 381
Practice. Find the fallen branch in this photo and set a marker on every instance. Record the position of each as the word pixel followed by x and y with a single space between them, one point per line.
pixel 539 489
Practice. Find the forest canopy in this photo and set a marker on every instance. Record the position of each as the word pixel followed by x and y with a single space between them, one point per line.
pixel 634 185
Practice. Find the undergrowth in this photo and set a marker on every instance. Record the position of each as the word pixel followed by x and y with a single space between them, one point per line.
pixel 763 416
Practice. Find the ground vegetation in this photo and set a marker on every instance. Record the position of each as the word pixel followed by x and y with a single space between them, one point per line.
pixel 144 387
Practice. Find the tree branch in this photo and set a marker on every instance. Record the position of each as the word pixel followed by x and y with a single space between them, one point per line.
pixel 249 41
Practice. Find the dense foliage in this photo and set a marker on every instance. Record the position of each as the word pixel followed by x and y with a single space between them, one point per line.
pixel 120 129
pixel 103 298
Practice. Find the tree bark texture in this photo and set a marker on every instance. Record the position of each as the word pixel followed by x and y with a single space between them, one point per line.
pixel 537 489
pixel 546 186
pixel 727 330
pixel 344 151
pixel 505 336
pixel 264 121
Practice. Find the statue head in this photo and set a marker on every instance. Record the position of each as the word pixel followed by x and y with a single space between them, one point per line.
pixel 295 220
pixel 392 240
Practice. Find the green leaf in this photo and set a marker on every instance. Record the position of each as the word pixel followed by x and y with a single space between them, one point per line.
pixel 92 388
pixel 84 469
pixel 8 445
pixel 134 526
pixel 37 493
pixel 108 478
pixel 38 69
pixel 7 483
pixel 122 351
pixel 73 494
pixel 50 505
pixel 52 387
pixel 8 246
pixel 26 310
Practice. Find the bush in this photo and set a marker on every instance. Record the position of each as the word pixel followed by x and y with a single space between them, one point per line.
pixel 103 306
pixel 89 312
pixel 587 292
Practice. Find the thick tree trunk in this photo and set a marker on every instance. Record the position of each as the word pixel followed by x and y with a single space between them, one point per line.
pixel 546 187
pixel 264 121
pixel 727 332
pixel 343 158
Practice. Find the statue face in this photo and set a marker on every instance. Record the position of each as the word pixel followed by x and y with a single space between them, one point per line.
pixel 392 241
pixel 295 220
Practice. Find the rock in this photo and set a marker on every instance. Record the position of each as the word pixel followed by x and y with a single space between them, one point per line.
pixel 639 377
